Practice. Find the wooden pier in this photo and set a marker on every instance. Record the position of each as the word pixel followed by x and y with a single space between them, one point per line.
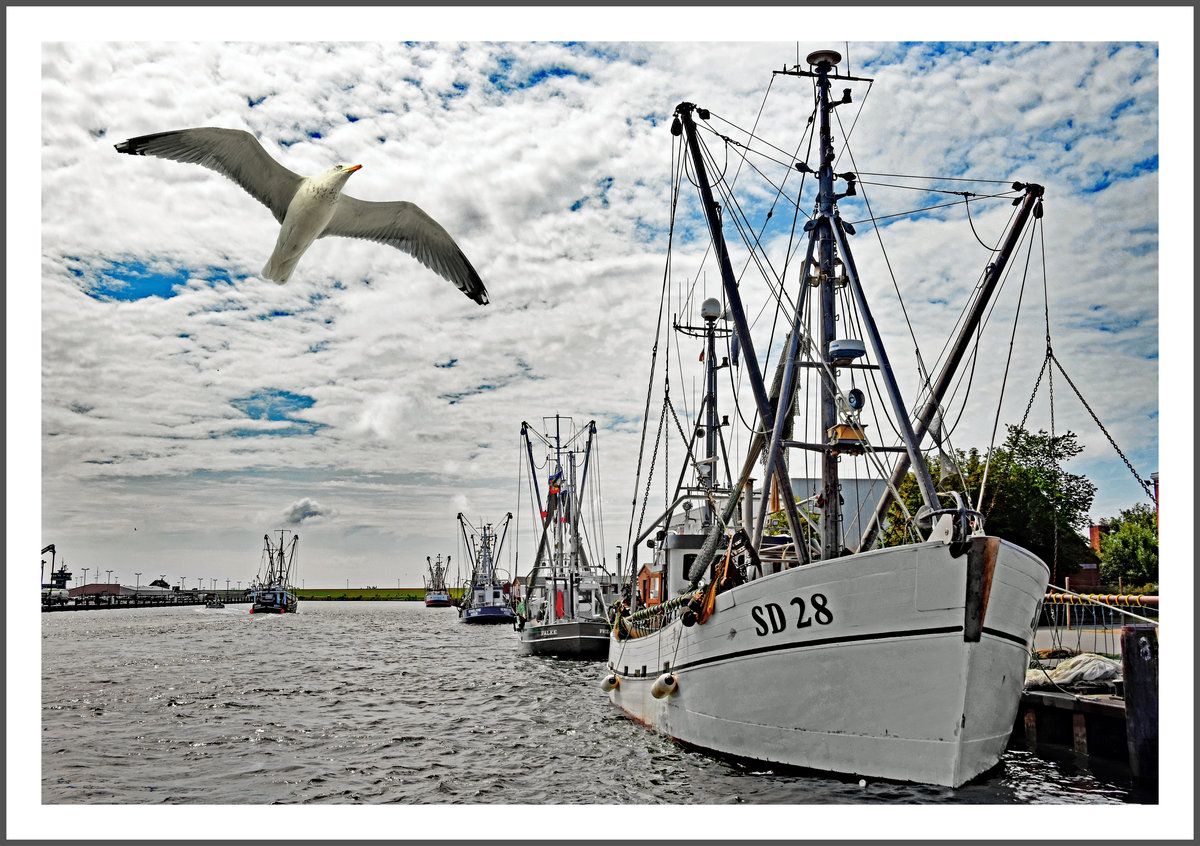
pixel 1120 724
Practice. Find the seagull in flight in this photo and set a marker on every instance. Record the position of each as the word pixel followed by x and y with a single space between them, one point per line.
pixel 311 207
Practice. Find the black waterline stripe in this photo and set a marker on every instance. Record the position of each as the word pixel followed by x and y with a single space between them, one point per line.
pixel 819 642
pixel 1006 636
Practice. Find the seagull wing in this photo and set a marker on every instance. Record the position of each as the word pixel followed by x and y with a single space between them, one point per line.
pixel 404 226
pixel 234 153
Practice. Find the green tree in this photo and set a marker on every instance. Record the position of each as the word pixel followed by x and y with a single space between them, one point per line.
pixel 1129 548
pixel 1029 499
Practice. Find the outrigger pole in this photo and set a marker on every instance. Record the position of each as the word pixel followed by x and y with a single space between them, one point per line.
pixel 1030 204
pixel 684 112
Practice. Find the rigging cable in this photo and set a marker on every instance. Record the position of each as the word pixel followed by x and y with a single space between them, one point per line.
pixel 676 170
pixel 1004 383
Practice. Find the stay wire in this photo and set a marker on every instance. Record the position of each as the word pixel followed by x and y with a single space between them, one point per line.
pixel 676 169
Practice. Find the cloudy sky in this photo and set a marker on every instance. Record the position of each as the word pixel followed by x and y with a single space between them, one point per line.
pixel 183 406
pixel 188 406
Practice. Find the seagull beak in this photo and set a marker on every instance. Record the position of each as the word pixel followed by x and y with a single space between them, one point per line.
pixel 352 169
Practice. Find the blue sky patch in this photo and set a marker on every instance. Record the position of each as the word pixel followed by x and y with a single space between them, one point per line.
pixel 504 80
pixel 278 406
pixel 127 281
pixel 135 280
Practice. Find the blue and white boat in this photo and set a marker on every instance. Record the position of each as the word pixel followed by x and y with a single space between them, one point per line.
pixel 487 595
pixel 272 592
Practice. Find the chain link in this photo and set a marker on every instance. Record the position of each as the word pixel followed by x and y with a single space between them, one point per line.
pixel 653 460
pixel 1141 481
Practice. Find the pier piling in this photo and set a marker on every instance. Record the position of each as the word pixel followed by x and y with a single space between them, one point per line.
pixel 1139 660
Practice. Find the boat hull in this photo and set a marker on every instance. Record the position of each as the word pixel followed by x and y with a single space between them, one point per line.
pixel 437 599
pixel 488 615
pixel 580 639
pixel 274 602
pixel 904 663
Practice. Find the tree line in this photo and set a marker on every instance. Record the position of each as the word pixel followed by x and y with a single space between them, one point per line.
pixel 1032 501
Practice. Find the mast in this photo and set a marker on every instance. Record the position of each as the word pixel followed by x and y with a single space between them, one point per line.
pixel 831 512
pixel 829 233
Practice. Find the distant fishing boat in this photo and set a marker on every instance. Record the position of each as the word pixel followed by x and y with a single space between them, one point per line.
pixel 487 594
pixel 437 595
pixel 272 592
pixel 768 633
pixel 567 592
pixel 212 601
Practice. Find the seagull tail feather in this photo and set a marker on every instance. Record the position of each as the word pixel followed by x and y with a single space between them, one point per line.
pixel 278 271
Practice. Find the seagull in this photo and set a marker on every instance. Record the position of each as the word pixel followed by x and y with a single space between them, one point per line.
pixel 311 207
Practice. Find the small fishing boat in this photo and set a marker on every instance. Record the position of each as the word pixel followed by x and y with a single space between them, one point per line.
pixel 760 629
pixel 567 592
pixel 487 594
pixel 212 601
pixel 437 595
pixel 272 592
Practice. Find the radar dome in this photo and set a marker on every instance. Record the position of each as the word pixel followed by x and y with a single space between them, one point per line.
pixel 710 309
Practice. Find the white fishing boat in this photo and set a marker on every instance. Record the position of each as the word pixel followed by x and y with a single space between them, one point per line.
pixel 437 594
pixel 763 632
pixel 272 591
pixel 487 596
pixel 567 590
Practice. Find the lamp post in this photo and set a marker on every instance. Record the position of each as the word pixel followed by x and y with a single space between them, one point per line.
pixel 183 582
pixel 108 576
pixel 138 585
pixel 85 569
pixel 239 584
pixel 227 584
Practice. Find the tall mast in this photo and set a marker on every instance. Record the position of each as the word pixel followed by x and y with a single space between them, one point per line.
pixel 831 514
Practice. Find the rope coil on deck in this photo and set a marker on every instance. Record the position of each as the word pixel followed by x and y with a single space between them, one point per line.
pixel 647 621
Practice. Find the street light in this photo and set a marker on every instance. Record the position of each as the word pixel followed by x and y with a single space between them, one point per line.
pixel 239 584
pixel 138 586
pixel 85 569
pixel 227 584
pixel 183 582
pixel 109 574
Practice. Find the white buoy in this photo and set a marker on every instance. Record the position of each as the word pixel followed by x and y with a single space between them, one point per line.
pixel 610 682
pixel 664 685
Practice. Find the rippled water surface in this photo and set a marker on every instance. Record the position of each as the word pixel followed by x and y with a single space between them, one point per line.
pixel 392 702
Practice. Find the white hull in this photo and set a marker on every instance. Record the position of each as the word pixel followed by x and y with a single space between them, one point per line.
pixel 861 665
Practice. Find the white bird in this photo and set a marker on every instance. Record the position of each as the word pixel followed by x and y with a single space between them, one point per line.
pixel 311 207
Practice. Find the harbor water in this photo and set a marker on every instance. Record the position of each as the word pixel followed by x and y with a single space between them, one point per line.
pixel 393 702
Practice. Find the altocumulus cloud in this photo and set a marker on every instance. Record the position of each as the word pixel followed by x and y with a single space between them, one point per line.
pixel 307 510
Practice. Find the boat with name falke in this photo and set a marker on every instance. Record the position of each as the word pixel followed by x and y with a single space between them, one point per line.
pixel 760 628
pixel 567 591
